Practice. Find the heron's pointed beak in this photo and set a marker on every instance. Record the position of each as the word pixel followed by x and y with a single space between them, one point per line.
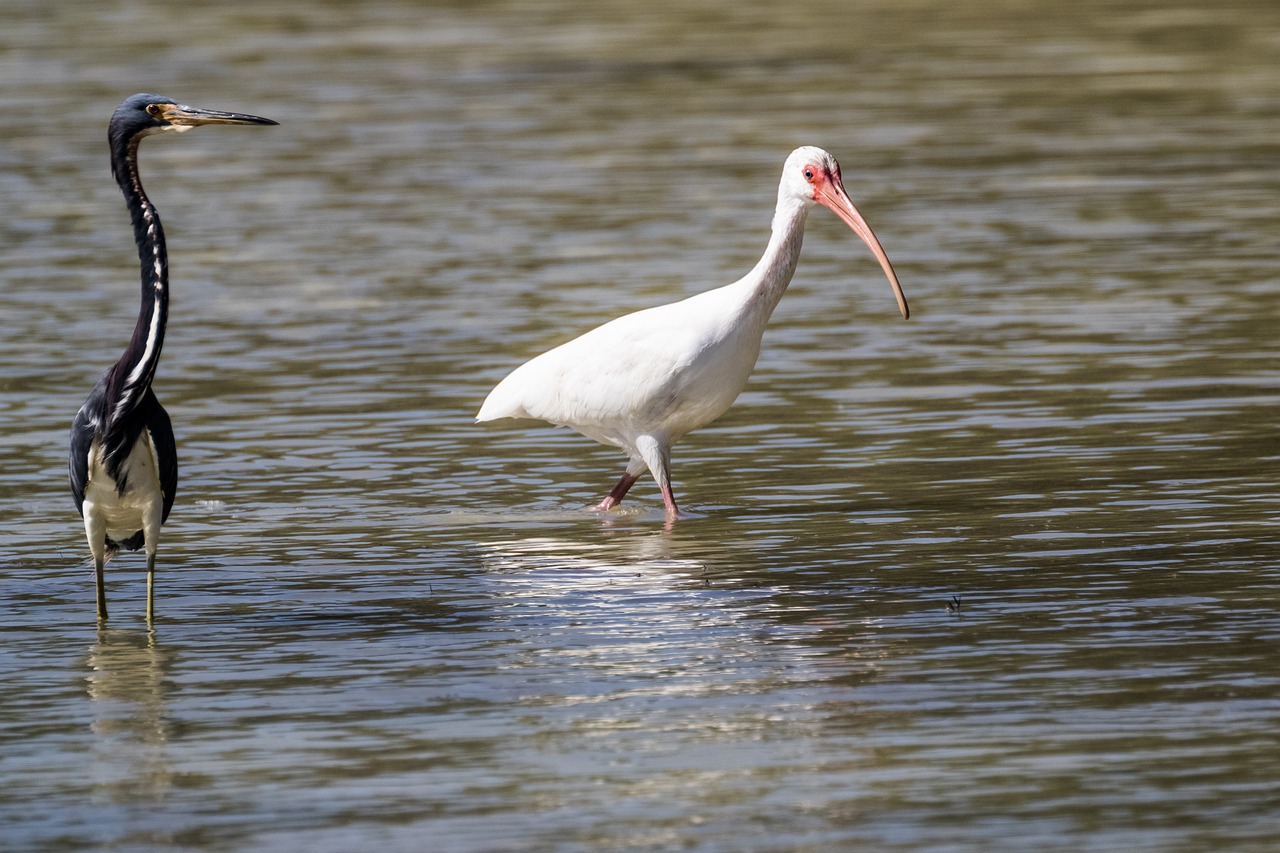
pixel 183 116
pixel 830 194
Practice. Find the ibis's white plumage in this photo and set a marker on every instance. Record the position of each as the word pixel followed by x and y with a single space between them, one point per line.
pixel 643 381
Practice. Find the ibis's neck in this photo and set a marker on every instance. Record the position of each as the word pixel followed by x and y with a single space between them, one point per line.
pixel 133 373
pixel 762 288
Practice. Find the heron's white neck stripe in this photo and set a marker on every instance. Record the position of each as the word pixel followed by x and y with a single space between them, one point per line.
pixel 149 214
pixel 132 383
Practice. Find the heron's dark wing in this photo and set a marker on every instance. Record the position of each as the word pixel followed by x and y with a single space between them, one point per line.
pixel 157 423
pixel 83 430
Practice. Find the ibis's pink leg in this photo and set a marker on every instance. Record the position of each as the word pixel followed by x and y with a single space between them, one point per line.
pixel 669 498
pixel 619 492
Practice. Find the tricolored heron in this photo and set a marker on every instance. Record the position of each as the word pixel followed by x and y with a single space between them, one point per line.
pixel 124 462
pixel 643 381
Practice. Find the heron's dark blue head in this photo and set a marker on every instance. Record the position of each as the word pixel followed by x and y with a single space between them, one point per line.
pixel 144 114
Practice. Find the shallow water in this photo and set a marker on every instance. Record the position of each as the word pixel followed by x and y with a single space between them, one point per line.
pixel 1003 576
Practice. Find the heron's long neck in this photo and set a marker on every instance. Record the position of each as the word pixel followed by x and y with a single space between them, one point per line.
pixel 764 285
pixel 132 375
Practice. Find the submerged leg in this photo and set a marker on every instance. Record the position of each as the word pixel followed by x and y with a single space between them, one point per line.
pixel 95 531
pixel 150 538
pixel 669 498
pixel 151 588
pixel 619 492
pixel 102 590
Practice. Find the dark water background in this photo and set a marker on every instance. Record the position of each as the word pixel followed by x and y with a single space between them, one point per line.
pixel 383 627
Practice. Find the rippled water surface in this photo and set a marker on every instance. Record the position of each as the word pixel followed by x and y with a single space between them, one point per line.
pixel 1004 576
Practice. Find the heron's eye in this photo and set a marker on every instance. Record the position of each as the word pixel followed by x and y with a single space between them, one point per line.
pixel 808 174
pixel 153 110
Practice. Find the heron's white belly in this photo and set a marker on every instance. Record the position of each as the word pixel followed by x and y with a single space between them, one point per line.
pixel 125 514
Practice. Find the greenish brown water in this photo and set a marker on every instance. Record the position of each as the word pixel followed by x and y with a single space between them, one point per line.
pixel 384 626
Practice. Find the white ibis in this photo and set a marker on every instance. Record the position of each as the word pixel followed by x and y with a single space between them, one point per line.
pixel 645 380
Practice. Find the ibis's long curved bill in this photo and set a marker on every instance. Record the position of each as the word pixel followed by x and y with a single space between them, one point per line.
pixel 184 116
pixel 831 195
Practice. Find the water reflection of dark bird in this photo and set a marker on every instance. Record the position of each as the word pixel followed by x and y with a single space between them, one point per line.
pixel 124 464
pixel 129 676
pixel 643 381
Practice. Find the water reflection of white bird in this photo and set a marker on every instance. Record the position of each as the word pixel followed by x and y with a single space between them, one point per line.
pixel 633 560
pixel 645 380
pixel 616 619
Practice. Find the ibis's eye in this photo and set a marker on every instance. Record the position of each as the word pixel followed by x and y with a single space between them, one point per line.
pixel 808 174
pixel 153 110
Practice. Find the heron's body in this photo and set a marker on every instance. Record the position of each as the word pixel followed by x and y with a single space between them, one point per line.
pixel 149 474
pixel 123 460
pixel 645 380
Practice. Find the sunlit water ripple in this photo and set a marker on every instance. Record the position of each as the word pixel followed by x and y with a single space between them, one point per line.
pixel 1000 577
